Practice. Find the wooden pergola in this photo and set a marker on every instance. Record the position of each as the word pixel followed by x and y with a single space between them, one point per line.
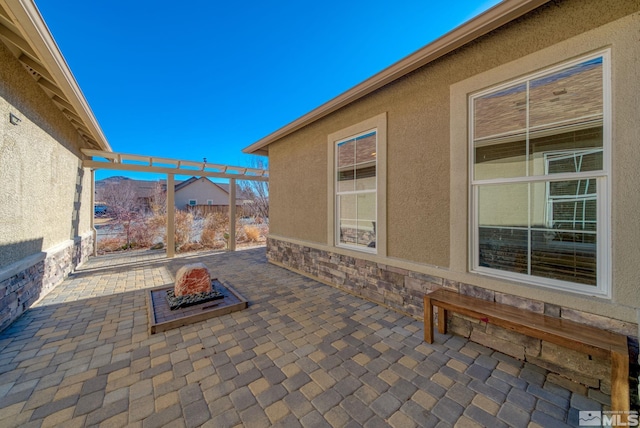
pixel 98 159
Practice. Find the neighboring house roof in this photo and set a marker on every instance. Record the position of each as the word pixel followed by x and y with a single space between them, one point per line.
pixel 497 16
pixel 183 184
pixel 223 186
pixel 239 193
pixel 26 35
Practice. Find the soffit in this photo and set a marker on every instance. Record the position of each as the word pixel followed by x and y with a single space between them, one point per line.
pixel 497 16
pixel 26 35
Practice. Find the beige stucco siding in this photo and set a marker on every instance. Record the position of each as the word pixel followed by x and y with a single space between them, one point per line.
pixel 298 185
pixel 45 195
pixel 298 176
pixel 417 169
pixel 427 188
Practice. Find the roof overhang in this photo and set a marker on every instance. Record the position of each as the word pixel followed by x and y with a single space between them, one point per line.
pixel 497 16
pixel 27 36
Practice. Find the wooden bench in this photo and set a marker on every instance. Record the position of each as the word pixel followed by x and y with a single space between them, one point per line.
pixel 570 334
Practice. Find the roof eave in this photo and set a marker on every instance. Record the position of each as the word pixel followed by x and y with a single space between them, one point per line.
pixel 493 18
pixel 28 19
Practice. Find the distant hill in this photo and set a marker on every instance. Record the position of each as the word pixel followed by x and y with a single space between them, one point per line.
pixel 117 180
pixel 143 188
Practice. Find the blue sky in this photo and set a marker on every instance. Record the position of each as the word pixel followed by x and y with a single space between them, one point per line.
pixel 197 79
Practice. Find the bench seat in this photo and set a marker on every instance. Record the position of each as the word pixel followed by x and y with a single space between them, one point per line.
pixel 570 334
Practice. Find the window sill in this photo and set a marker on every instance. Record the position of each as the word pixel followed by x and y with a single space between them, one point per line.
pixel 601 291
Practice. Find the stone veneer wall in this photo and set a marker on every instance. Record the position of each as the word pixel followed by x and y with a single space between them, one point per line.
pixel 21 287
pixel 403 291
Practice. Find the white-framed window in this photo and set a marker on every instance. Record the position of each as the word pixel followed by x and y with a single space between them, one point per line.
pixel 539 161
pixel 357 187
pixel 356 191
pixel 193 202
pixel 209 201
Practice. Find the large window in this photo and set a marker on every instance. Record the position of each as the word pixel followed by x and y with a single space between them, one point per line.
pixel 539 157
pixel 356 191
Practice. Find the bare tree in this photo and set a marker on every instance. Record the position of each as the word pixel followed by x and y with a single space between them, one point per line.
pixel 158 201
pixel 257 191
pixel 122 205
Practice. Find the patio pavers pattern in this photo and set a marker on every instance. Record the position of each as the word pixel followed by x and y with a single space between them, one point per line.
pixel 303 354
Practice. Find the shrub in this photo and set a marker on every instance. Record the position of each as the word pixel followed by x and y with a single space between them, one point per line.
pixel 218 245
pixel 252 233
pixel 240 234
pixel 221 221
pixel 183 225
pixel 142 234
pixel 107 245
pixel 208 236
pixel 191 246
pixel 157 221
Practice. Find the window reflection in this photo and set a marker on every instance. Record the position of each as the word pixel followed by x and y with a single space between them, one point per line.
pixel 528 222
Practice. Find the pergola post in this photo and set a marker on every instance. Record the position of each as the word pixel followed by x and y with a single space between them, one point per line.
pixel 232 214
pixel 171 217
pixel 94 231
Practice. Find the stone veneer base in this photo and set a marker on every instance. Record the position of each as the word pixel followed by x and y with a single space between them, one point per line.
pixel 403 290
pixel 25 282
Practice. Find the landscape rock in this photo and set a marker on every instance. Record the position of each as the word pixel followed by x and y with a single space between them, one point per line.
pixel 192 279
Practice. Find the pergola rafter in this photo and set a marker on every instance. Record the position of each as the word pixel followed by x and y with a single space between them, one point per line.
pixel 139 163
pixel 98 159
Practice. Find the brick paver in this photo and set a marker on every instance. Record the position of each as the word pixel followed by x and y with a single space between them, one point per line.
pixel 303 354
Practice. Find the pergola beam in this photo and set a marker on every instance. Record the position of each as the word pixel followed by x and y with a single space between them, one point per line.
pixel 164 170
pixel 118 161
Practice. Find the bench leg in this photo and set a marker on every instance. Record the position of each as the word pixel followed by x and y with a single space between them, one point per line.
pixel 620 382
pixel 428 320
pixel 442 320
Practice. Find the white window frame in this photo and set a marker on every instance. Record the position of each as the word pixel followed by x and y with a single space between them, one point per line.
pixel 378 123
pixel 209 201
pixel 603 189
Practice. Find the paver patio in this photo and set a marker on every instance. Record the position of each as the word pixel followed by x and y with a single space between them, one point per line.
pixel 302 354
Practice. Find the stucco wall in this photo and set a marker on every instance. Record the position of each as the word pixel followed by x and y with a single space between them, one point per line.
pixel 298 185
pixel 426 232
pixel 45 195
